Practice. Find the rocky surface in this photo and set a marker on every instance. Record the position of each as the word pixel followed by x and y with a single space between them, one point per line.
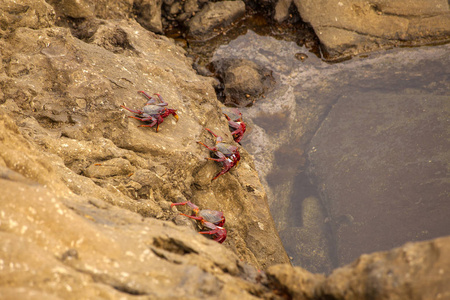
pixel 414 271
pixel 350 27
pixel 64 95
pixel 214 15
pixel 346 28
pixel 283 124
pixel 398 151
pixel 243 81
pixel 85 193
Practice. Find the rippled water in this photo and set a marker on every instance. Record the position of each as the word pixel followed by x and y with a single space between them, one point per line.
pixel 283 123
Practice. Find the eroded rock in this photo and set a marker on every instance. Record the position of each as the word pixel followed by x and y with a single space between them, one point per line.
pixel 62 119
pixel 355 26
pixel 244 81
pixel 213 16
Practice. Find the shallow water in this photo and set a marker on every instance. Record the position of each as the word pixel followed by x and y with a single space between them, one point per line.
pixel 283 123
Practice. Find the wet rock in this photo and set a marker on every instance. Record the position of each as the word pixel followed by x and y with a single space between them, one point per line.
pixel 244 81
pixel 283 124
pixel 310 245
pixel 351 27
pixel 213 16
pixel 397 154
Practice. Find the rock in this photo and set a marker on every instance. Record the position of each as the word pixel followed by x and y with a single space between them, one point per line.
pixel 282 10
pixel 61 117
pixel 28 13
pixel 296 282
pixel 244 81
pixel 148 14
pixel 214 15
pixel 312 246
pixel 49 249
pixel 68 10
pixel 350 27
pixel 365 171
pixel 420 270
pixel 113 167
pixel 283 125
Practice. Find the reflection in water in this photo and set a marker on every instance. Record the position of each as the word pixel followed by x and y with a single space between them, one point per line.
pixel 284 122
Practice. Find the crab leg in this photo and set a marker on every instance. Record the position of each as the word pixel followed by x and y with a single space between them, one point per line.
pixel 147 119
pixel 212 149
pixel 138 112
pixel 152 100
pixel 193 217
pixel 189 203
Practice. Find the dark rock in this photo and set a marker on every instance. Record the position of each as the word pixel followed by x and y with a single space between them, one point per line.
pixel 244 81
pixel 214 15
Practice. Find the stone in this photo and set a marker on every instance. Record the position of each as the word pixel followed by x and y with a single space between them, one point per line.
pixel 398 153
pixel 282 10
pixel 244 81
pixel 420 270
pixel 215 15
pixel 28 13
pixel 51 139
pixel 296 282
pixel 83 9
pixel 148 14
pixel 350 27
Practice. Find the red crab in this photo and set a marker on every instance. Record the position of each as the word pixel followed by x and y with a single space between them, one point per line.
pixel 211 219
pixel 227 154
pixel 152 112
pixel 235 122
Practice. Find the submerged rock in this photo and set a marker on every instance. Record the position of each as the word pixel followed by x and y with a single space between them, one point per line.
pixel 389 157
pixel 244 81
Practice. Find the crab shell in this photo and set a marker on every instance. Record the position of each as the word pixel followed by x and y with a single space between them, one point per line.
pixel 212 216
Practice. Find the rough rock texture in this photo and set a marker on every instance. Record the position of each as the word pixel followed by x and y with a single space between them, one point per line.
pixel 214 15
pixel 243 80
pixel 148 14
pixel 349 27
pixel 413 271
pixel 64 95
pixel 85 9
pixel 72 247
pixel 379 151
